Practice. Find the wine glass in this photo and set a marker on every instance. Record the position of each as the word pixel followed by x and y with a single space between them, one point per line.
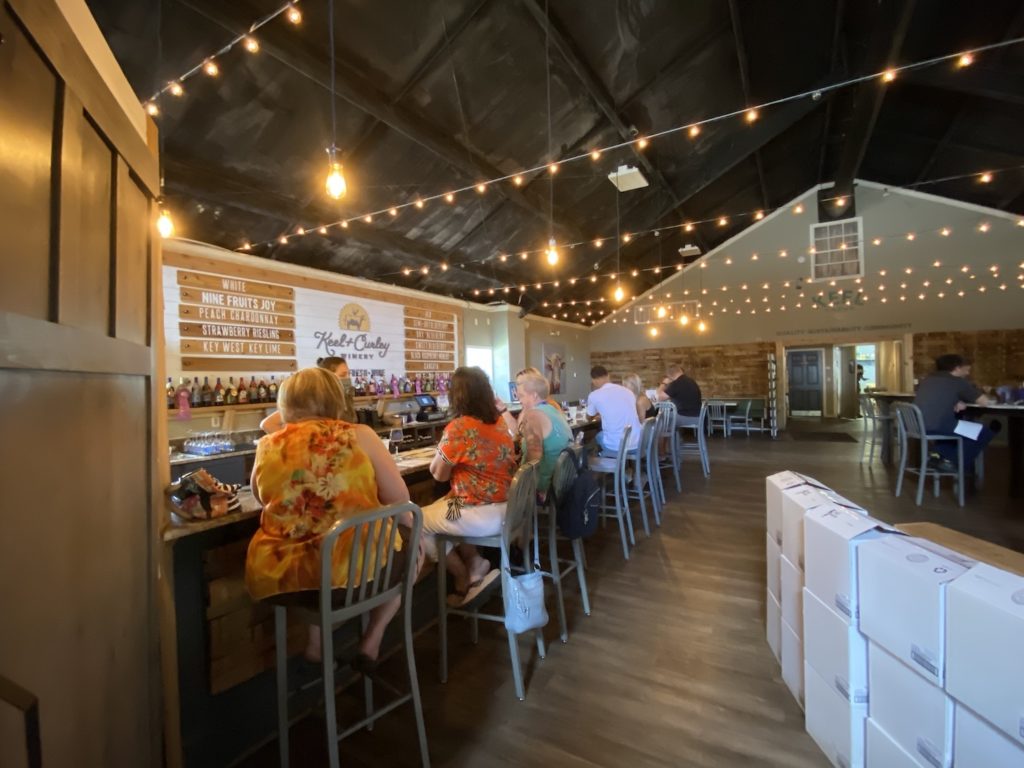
pixel 396 438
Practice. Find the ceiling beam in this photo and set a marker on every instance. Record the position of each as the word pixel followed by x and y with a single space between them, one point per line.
pixel 883 49
pixel 741 57
pixel 376 127
pixel 357 90
pixel 837 67
pixel 1005 86
pixel 251 195
pixel 599 95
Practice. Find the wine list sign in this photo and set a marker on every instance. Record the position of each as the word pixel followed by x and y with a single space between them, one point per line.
pixel 219 325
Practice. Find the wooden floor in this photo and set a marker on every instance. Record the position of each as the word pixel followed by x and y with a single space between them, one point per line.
pixel 672 668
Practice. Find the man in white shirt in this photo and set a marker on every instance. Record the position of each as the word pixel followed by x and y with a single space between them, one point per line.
pixel 616 406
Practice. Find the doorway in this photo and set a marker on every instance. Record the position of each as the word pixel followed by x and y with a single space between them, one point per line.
pixel 804 368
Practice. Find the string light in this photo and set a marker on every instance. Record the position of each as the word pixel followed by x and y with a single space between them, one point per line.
pixel 211 68
pixel 553 168
pixel 251 44
pixel 751 115
pixel 889 75
pixel 595 154
pixel 965 60
pixel 694 131
pixel 176 89
pixel 449 197
pixel 759 215
pixel 517 180
pixel 419 203
pixel 294 15
pixel 641 143
pixel 481 188
pixel 798 209
pixel 985 178
pixel 152 109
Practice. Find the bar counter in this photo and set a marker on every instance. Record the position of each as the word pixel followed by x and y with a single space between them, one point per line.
pixel 225 641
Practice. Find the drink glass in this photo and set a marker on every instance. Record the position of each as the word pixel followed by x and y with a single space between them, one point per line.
pixel 395 440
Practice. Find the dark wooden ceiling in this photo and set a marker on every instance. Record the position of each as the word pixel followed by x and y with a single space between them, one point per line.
pixel 438 94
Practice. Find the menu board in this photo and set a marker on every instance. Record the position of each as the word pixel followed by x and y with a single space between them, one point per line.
pixel 226 325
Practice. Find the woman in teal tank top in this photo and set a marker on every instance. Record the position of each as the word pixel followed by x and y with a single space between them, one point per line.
pixel 541 426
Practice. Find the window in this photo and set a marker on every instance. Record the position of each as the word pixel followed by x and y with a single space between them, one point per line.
pixel 836 251
pixel 482 357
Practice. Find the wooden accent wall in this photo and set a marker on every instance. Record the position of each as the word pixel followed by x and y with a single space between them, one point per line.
pixel 733 370
pixel 78 356
pixel 998 356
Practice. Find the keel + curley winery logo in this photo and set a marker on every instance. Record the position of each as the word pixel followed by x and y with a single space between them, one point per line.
pixel 354 341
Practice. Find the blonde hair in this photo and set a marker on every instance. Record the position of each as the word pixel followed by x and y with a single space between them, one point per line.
pixel 312 393
pixel 532 370
pixel 631 381
pixel 533 382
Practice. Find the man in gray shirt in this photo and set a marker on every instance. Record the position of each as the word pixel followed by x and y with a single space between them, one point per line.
pixel 941 396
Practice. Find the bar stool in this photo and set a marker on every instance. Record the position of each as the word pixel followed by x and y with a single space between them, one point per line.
pixel 562 480
pixel 615 467
pixel 374 536
pixel 700 443
pixel 718 416
pixel 643 486
pixel 910 422
pixel 667 434
pixel 875 425
pixel 520 509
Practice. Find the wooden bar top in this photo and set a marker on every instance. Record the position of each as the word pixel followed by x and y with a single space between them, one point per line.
pixel 976 549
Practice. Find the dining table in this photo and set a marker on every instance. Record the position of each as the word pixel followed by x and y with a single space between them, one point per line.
pixel 1014 416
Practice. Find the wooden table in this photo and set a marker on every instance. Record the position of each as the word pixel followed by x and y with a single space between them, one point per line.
pixel 1014 415
pixel 887 413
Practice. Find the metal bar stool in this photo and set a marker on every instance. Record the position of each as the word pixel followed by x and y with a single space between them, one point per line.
pixel 369 585
pixel 520 509
pixel 910 421
pixel 615 467
pixel 667 434
pixel 875 425
pixel 642 486
pixel 718 416
pixel 700 443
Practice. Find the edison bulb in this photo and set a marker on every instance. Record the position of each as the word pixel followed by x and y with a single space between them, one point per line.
pixel 165 225
pixel 662 312
pixel 701 326
pixel 684 320
pixel 619 293
pixel 552 252
pixel 336 186
pixel 294 15
pixel 654 332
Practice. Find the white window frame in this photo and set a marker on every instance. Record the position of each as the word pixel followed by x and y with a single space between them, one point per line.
pixel 842 240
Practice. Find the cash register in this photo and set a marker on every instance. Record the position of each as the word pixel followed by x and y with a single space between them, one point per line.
pixel 428 409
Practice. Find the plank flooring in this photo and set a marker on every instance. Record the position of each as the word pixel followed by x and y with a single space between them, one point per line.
pixel 672 668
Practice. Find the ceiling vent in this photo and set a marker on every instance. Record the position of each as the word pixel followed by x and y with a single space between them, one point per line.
pixel 689 250
pixel 626 178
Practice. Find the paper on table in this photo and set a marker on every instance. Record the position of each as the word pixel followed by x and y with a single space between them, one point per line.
pixel 969 429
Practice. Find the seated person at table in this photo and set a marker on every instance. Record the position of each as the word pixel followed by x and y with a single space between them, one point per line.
pixel 339 367
pixel 644 407
pixel 477 455
pixel 616 406
pixel 684 392
pixel 541 426
pixel 941 396
pixel 312 472
pixel 536 371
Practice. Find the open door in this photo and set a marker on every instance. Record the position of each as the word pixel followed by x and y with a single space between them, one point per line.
pixel 77 395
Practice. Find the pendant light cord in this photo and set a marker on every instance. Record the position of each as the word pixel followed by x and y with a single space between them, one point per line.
pixel 334 116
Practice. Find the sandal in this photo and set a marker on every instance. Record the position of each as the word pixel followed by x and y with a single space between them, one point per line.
pixel 476 589
pixel 364 664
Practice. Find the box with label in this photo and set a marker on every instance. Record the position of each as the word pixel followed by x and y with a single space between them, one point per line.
pixel 795 504
pixel 772 554
pixel 774 487
pixel 902 590
pixel 835 650
pixel 916 713
pixel 985 646
pixel 773 624
pixel 832 536
pixel 835 724
pixel 793 662
pixel 792 598
pixel 978 745
pixel 883 752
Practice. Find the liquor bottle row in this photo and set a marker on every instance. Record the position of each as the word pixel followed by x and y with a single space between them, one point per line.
pixel 371 386
pixel 191 394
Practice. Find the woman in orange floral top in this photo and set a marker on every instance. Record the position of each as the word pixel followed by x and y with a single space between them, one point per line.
pixel 477 455
pixel 315 471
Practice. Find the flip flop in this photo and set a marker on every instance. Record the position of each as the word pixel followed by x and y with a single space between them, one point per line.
pixel 477 588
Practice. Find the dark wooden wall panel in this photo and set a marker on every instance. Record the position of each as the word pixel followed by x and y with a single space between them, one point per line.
pixel 86 200
pixel 131 273
pixel 28 91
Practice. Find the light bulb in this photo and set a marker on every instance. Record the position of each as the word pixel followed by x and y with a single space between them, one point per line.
pixel 595 154
pixel 840 202
pixel 165 225
pixel 694 131
pixel 211 68
pixel 889 75
pixel 152 109
pixel 642 144
pixel 798 209
pixel 553 168
pixel 965 60
pixel 684 320
pixel 552 252
pixel 751 115
pixel 722 221
pixel 419 203
pixel 393 211
pixel 653 332
pixel 252 45
pixel 619 293
pixel 759 215
pixel 449 197
pixel 335 185
pixel 985 178
pixel 322 230
pixel 662 312
pixel 294 15
pixel 701 326
pixel 176 89
pixel 517 180
pixel 481 188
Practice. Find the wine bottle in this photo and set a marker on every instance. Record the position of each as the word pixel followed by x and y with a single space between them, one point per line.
pixel 218 393
pixel 170 394
pixel 207 394
pixel 261 392
pixel 196 394
pixel 243 393
pixel 272 390
pixel 253 392
pixel 231 394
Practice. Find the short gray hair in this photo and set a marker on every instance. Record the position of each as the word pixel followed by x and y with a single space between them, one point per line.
pixel 534 383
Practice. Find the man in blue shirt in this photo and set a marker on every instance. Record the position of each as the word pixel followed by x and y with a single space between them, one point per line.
pixel 941 397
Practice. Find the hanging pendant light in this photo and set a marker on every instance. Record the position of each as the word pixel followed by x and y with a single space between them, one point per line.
pixel 165 224
pixel 335 184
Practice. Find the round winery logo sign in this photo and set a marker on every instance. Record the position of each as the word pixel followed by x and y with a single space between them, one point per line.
pixel 353 317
